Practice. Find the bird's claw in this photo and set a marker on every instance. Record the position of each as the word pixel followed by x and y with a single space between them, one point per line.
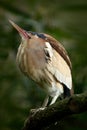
pixel 34 111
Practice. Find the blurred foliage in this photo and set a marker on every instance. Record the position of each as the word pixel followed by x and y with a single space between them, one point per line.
pixel 67 22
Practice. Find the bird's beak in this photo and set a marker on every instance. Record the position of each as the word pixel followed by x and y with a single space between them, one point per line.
pixel 21 31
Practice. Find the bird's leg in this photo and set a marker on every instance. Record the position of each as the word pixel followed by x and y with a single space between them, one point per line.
pixel 34 111
pixel 54 99
pixel 45 102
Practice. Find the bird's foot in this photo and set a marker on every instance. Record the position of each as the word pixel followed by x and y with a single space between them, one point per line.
pixel 34 111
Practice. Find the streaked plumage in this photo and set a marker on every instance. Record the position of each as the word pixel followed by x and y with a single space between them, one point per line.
pixel 43 59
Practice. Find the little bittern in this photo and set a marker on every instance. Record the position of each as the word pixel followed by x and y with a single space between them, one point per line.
pixel 43 59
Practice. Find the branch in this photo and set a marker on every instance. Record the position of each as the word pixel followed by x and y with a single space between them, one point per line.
pixel 74 105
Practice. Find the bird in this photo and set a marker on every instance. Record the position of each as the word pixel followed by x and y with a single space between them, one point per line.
pixel 44 59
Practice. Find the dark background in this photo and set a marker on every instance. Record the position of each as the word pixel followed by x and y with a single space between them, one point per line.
pixel 65 20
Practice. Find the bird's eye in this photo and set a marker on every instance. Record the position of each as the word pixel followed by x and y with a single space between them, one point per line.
pixel 29 36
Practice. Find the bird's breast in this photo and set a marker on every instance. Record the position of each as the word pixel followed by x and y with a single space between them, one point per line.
pixel 31 61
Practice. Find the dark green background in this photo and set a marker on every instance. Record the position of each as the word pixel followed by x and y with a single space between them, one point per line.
pixel 65 20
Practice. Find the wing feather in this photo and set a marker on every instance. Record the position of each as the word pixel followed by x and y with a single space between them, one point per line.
pixel 59 48
pixel 58 67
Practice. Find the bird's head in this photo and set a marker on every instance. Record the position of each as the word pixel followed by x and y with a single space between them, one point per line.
pixel 23 33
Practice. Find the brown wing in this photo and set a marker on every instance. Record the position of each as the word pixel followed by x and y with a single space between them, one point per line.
pixel 59 48
pixel 60 65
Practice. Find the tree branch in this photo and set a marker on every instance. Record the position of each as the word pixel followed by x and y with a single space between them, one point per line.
pixel 73 105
